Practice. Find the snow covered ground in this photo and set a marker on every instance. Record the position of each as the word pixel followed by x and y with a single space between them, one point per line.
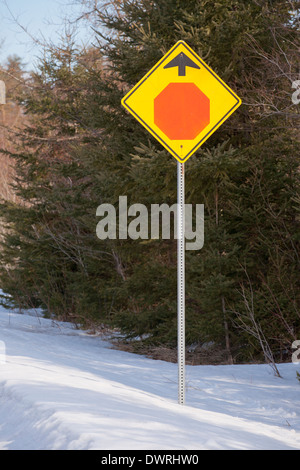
pixel 63 389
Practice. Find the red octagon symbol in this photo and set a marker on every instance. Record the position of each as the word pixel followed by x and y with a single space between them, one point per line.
pixel 181 111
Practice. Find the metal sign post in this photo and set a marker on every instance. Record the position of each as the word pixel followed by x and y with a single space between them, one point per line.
pixel 181 283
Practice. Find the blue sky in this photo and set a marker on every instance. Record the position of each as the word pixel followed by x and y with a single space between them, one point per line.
pixel 41 18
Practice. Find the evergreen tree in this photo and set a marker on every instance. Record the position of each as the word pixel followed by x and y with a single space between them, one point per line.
pixel 50 248
pixel 241 227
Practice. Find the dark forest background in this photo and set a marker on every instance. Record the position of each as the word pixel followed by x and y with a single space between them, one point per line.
pixel 74 147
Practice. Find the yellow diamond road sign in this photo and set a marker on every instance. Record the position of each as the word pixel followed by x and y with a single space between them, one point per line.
pixel 181 101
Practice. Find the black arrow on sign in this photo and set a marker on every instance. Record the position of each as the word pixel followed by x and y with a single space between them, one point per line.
pixel 181 61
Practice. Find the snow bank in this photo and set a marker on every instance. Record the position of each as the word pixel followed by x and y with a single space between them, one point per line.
pixel 61 388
